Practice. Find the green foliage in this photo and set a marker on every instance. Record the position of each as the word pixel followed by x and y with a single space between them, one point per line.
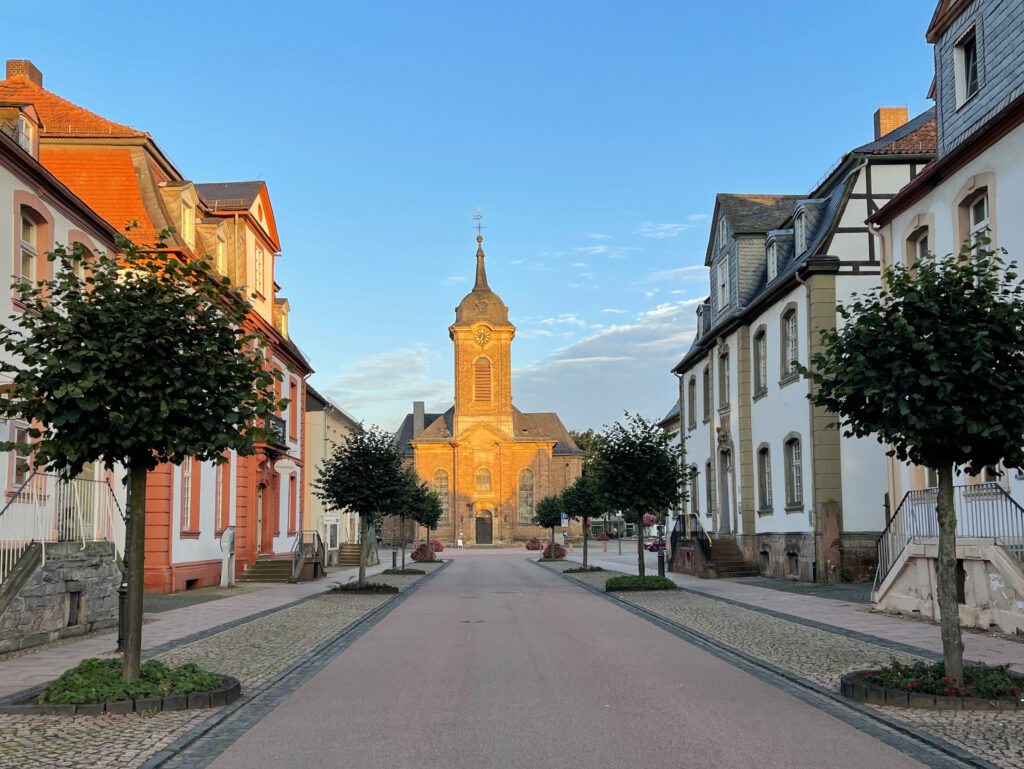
pixel 589 442
pixel 362 587
pixel 931 363
pixel 582 499
pixel 423 504
pixel 406 570
pixel 548 512
pixel 579 569
pixel 143 361
pixel 638 469
pixel 984 681
pixel 364 474
pixel 96 680
pixel 630 582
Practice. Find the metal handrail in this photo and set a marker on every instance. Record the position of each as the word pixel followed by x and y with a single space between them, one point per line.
pixel 697 533
pixel 983 510
pixel 307 544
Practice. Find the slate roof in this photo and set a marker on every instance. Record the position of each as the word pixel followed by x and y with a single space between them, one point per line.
pixel 537 426
pixel 59 117
pixel 671 417
pixel 227 196
pixel 755 213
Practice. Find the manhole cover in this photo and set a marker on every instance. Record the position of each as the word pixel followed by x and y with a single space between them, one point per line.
pixel 472 621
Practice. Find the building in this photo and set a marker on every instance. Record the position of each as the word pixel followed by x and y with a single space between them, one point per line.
pixel 974 187
pixel 327 424
pixel 487 460
pixel 771 472
pixel 125 177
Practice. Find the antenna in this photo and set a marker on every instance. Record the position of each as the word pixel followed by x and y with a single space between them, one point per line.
pixel 477 225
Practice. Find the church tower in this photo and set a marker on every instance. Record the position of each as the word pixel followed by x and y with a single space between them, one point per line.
pixel 483 363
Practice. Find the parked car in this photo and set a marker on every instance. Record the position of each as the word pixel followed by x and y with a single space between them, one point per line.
pixel 655 545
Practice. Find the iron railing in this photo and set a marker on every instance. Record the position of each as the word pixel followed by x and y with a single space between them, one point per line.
pixel 308 546
pixel 982 510
pixel 697 534
pixel 49 508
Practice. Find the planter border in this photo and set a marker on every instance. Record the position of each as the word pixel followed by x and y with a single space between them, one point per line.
pixel 853 686
pixel 226 693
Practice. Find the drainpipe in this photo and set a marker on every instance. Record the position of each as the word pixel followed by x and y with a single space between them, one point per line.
pixel 814 513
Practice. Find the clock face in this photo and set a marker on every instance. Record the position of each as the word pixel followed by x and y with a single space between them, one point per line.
pixel 482 335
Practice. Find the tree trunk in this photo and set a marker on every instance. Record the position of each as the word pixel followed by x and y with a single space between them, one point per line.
pixel 403 541
pixel 640 550
pixel 585 527
pixel 551 550
pixel 949 610
pixel 364 533
pixel 132 657
pixel 430 544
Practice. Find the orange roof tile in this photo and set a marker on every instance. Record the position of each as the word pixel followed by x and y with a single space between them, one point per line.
pixel 59 116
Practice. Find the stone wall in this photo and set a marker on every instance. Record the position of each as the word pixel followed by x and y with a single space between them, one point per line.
pixel 687 558
pixel 73 592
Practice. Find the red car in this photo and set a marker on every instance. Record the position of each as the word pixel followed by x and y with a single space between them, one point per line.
pixel 655 545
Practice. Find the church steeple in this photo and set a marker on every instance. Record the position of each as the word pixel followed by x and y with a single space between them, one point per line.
pixel 481 274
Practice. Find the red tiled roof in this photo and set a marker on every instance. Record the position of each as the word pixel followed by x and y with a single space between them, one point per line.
pixel 921 140
pixel 59 116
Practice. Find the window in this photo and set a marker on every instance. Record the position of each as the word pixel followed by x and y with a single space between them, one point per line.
pixel 190 496
pixel 723 380
pixel 764 479
pixel 921 247
pixel 222 501
pixel 707 393
pixel 691 402
pixel 965 67
pixel 22 457
pixel 259 270
pixel 990 474
pixel 977 217
pixel 441 489
pixel 694 501
pixel 794 474
pixel 760 362
pixel 709 488
pixel 722 230
pixel 293 485
pixel 790 347
pixel 293 408
pixel 188 223
pixel 800 234
pixel 931 478
pixel 723 285
pixel 482 380
pixel 483 480
pixel 221 257
pixel 24 133
pixel 771 257
pixel 525 496
pixel 29 245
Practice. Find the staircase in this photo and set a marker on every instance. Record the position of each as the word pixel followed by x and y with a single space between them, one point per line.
pixel 348 555
pixel 268 570
pixel 729 561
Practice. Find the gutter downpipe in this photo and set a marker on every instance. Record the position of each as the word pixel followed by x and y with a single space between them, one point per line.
pixel 814 512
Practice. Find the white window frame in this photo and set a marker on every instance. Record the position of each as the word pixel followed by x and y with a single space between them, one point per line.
pixel 794 474
pixel 723 284
pixel 691 402
pixel 186 495
pixel 979 228
pixel 694 489
pixel 764 472
pixel 800 233
pixel 921 246
pixel 772 258
pixel 29 248
pixel 25 133
pixel 19 434
pixel 791 342
pixel 723 380
pixel 721 232
pixel 966 69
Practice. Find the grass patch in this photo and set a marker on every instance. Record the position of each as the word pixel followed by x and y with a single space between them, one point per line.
pixel 369 587
pixel 403 571
pixel 545 560
pixel 96 680
pixel 580 569
pixel 629 582
pixel 982 681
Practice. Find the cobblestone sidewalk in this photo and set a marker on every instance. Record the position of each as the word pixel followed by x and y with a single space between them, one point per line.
pixel 822 657
pixel 252 652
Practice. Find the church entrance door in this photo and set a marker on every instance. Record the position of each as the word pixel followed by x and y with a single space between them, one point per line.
pixel 484 529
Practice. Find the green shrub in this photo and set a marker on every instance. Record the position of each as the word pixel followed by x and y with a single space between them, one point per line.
pixel 407 570
pixel 96 680
pixel 578 569
pixel 369 587
pixel 627 582
pixel 982 681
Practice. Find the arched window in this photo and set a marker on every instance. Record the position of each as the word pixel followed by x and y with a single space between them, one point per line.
pixel 691 402
pixel 764 480
pixel 441 489
pixel 709 489
pixel 790 344
pixel 525 496
pixel 29 242
pixel 482 380
pixel 694 501
pixel 483 480
pixel 706 384
pixel 794 474
pixel 760 362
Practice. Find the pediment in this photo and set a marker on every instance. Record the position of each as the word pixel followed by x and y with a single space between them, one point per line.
pixel 483 433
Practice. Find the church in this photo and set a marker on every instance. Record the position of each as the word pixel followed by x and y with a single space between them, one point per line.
pixel 488 461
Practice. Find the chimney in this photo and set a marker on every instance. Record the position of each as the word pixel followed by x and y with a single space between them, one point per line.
pixel 888 119
pixel 417 418
pixel 26 69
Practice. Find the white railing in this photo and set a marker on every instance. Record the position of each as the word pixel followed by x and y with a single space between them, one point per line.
pixel 47 508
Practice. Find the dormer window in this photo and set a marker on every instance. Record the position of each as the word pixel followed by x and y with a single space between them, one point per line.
pixel 800 234
pixel 965 67
pixel 25 133
pixel 221 257
pixel 259 271
pixel 771 257
pixel 188 224
pixel 723 285
pixel 721 232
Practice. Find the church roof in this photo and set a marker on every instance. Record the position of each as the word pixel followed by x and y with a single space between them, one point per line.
pixel 481 304
pixel 539 426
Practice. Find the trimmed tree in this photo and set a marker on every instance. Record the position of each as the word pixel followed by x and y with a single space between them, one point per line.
pixel 425 509
pixel 144 360
pixel 639 471
pixel 931 365
pixel 580 500
pixel 548 514
pixel 363 473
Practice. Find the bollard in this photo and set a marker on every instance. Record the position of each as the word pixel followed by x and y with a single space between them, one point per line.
pixel 394 558
pixel 661 562
pixel 122 600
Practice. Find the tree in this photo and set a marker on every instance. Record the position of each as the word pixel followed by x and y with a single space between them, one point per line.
pixel 548 514
pixel 931 365
pixel 364 474
pixel 145 360
pixel 403 501
pixel 589 442
pixel 425 509
pixel 639 471
pixel 580 501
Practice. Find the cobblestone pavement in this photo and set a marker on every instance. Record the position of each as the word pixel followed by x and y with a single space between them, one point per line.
pixel 252 652
pixel 822 657
pixel 858 592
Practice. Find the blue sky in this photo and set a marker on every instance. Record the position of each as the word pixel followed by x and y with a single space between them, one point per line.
pixel 594 136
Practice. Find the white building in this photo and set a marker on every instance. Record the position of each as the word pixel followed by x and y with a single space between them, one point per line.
pixel 798 499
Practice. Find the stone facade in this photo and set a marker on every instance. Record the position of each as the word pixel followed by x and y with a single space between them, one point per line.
pixel 73 592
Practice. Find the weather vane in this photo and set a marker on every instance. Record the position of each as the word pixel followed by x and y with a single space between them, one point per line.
pixel 478 226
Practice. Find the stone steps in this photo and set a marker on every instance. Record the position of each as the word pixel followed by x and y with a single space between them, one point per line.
pixel 268 570
pixel 729 561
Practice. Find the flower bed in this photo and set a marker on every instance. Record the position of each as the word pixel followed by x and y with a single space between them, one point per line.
pixel 438 546
pixel 369 587
pixel 579 569
pixel 629 582
pixel 422 552
pixel 403 571
pixel 925 685
pixel 534 544
pixel 558 556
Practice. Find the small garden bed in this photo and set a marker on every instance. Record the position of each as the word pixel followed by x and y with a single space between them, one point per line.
pixel 547 560
pixel 406 570
pixel 369 587
pixel 629 582
pixel 558 555
pixel 580 569
pixel 97 686
pixel 926 685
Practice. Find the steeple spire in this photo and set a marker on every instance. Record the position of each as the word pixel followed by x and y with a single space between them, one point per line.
pixel 481 274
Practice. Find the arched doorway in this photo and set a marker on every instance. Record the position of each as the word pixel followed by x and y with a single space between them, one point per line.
pixel 725 491
pixel 484 527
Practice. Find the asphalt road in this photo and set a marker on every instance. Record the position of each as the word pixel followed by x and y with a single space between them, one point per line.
pixel 498 663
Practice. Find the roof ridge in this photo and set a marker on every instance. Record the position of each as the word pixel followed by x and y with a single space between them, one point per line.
pixel 23 83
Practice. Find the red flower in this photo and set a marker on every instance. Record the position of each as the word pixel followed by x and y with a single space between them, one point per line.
pixel 944 678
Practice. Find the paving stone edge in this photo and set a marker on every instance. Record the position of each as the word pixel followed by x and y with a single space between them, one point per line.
pixel 795 683
pixel 349 633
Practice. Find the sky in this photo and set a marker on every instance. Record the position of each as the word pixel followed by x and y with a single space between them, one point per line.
pixel 592 135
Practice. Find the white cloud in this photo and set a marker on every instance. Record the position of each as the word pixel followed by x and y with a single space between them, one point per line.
pixel 451 280
pixel 612 309
pixel 516 261
pixel 591 249
pixel 565 318
pixel 532 333
pixel 652 230
pixel 691 272
pixel 580 264
pixel 598 236
pixel 696 217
